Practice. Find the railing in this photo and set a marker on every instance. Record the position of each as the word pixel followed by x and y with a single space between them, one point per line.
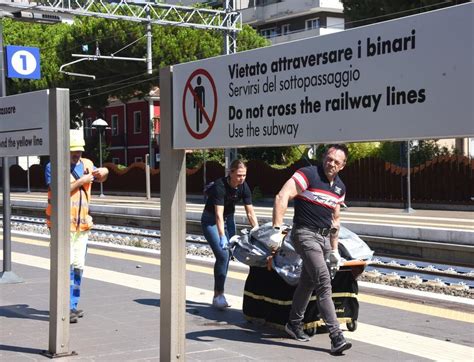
pixel 256 14
pixel 445 179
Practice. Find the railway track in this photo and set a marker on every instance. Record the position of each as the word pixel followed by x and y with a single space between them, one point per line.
pixel 429 242
pixel 397 270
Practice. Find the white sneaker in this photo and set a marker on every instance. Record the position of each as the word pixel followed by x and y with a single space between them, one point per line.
pixel 220 302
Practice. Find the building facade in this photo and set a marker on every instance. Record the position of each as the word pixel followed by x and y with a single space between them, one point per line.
pixel 132 132
pixel 285 20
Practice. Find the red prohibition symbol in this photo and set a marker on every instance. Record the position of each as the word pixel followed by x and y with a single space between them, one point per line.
pixel 198 95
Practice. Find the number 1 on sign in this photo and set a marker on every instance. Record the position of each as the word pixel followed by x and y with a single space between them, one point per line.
pixel 23 60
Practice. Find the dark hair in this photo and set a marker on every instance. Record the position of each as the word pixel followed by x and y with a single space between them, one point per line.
pixel 236 164
pixel 339 146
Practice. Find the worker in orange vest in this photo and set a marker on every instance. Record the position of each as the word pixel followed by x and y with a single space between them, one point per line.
pixel 83 173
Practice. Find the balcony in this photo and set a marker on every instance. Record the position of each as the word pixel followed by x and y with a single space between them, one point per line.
pixel 257 15
pixel 279 38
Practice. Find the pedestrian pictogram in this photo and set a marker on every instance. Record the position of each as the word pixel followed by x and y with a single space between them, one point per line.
pixel 199 103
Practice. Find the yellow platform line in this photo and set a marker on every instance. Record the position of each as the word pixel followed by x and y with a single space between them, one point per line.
pixel 365 298
pixel 132 257
pixel 402 342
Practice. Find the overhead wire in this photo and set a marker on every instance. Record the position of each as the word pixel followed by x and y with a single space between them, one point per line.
pixel 86 90
pixel 345 23
pixel 116 89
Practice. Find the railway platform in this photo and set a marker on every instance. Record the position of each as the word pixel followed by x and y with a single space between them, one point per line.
pixel 430 225
pixel 122 312
pixel 443 236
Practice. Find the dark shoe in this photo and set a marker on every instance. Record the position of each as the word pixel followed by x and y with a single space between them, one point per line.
pixel 78 312
pixel 339 344
pixel 72 318
pixel 296 332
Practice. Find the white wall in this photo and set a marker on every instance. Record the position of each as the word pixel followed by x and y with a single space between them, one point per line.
pixel 337 23
pixel 24 161
pixel 336 4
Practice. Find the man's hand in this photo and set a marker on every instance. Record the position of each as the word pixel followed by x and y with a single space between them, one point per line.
pixel 276 239
pixel 334 262
pixel 100 174
pixel 334 258
pixel 86 179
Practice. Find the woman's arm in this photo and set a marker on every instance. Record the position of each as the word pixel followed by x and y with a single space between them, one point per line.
pixel 219 210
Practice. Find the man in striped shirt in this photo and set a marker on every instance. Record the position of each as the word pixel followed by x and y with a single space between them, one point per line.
pixel 318 193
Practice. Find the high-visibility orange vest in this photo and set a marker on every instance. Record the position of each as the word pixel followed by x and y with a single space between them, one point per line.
pixel 80 199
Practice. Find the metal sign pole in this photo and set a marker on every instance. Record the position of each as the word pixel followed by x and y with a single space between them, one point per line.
pixel 147 176
pixel 173 229
pixel 6 276
pixel 408 209
pixel 60 229
pixel 230 47
pixel 101 129
pixel 28 188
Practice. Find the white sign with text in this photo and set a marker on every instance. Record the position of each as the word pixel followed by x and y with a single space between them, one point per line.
pixel 410 78
pixel 24 124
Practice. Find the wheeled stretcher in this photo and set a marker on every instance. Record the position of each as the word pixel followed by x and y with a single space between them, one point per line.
pixel 274 274
pixel 268 298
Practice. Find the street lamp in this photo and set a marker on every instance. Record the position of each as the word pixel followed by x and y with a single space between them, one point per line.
pixel 101 126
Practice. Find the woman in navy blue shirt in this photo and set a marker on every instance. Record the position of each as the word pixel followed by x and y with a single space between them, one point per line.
pixel 218 223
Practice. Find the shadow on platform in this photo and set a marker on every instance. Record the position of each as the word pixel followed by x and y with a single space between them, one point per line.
pixel 23 311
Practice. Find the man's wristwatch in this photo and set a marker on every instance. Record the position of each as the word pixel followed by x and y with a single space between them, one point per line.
pixel 333 231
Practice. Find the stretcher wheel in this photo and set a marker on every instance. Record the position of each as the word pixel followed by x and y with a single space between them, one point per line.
pixel 352 326
pixel 311 331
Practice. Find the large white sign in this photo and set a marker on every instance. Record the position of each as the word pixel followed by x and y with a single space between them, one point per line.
pixel 24 124
pixel 411 78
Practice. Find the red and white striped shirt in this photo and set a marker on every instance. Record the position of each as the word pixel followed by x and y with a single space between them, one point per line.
pixel 315 205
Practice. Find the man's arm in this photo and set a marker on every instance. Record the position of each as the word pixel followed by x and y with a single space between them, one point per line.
pixel 251 215
pixel 289 191
pixel 336 224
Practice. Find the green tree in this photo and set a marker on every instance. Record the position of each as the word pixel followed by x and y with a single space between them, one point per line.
pixel 92 150
pixel 426 150
pixel 127 79
pixel 364 12
pixel 281 156
pixel 391 152
pixel 420 152
pixel 45 37
pixel 362 150
pixel 197 158
pixel 356 150
pixel 121 79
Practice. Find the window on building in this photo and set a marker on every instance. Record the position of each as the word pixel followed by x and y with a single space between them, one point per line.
pixel 137 122
pixel 138 159
pixel 115 124
pixel 285 29
pixel 312 24
pixel 88 127
pixel 116 160
pixel 266 2
pixel 268 33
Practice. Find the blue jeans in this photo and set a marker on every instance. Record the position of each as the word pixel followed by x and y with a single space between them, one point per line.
pixel 209 228
pixel 78 253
